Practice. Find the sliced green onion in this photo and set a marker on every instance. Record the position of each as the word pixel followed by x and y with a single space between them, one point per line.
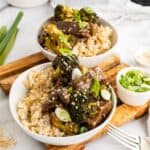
pixel 62 114
pixel 88 10
pixel 8 47
pixel 3 31
pixel 83 129
pixel 10 32
pixel 146 80
pixel 65 52
pixel 64 39
pixel 70 89
pixel 105 94
pixel 144 87
pixel 77 16
pixel 135 80
pixel 82 24
pixel 95 87
pixel 76 73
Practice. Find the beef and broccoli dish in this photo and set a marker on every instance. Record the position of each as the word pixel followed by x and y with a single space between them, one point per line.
pixel 79 31
pixel 66 98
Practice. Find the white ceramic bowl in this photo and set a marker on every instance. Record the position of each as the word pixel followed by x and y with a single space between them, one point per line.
pixel 85 61
pixel 139 58
pixel 131 97
pixel 26 3
pixel 18 91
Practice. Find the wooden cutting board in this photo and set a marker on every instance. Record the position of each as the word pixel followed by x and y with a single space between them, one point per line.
pixel 124 113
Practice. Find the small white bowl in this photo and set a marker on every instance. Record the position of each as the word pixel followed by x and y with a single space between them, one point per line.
pixel 131 97
pixel 139 58
pixel 18 91
pixel 26 3
pixel 85 61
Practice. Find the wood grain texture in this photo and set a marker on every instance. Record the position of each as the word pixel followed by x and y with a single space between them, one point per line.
pixel 113 72
pixel 109 63
pixel 71 147
pixel 7 82
pixel 21 65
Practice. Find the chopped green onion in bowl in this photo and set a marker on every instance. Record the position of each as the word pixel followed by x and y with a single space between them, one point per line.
pixel 135 80
pixel 95 88
pixel 88 10
pixel 105 94
pixel 62 114
pixel 65 52
pixel 83 129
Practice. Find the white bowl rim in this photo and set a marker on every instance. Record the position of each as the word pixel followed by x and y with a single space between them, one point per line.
pixel 50 137
pixel 84 57
pixel 125 70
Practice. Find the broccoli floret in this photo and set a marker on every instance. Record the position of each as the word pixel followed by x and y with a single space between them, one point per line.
pixel 58 12
pixel 55 39
pixel 69 128
pixel 65 64
pixel 84 15
pixel 82 106
pixel 64 13
pixel 88 15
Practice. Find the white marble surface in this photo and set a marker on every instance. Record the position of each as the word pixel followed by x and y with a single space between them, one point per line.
pixel 132 23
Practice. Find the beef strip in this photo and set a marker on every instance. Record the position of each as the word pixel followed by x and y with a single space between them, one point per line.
pixel 72 28
pixel 41 37
pixel 105 108
pixel 60 94
pixel 97 73
pixel 48 107
pixel 84 82
pixel 93 28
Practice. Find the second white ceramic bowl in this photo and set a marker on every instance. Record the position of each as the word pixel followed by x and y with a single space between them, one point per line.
pixel 85 61
pixel 139 56
pixel 131 97
pixel 18 91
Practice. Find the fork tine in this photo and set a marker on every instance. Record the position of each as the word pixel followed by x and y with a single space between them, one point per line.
pixel 123 133
pixel 121 142
pixel 135 145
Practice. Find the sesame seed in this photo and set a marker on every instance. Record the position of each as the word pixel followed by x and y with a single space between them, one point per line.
pixel 75 95
pixel 76 107
pixel 73 103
